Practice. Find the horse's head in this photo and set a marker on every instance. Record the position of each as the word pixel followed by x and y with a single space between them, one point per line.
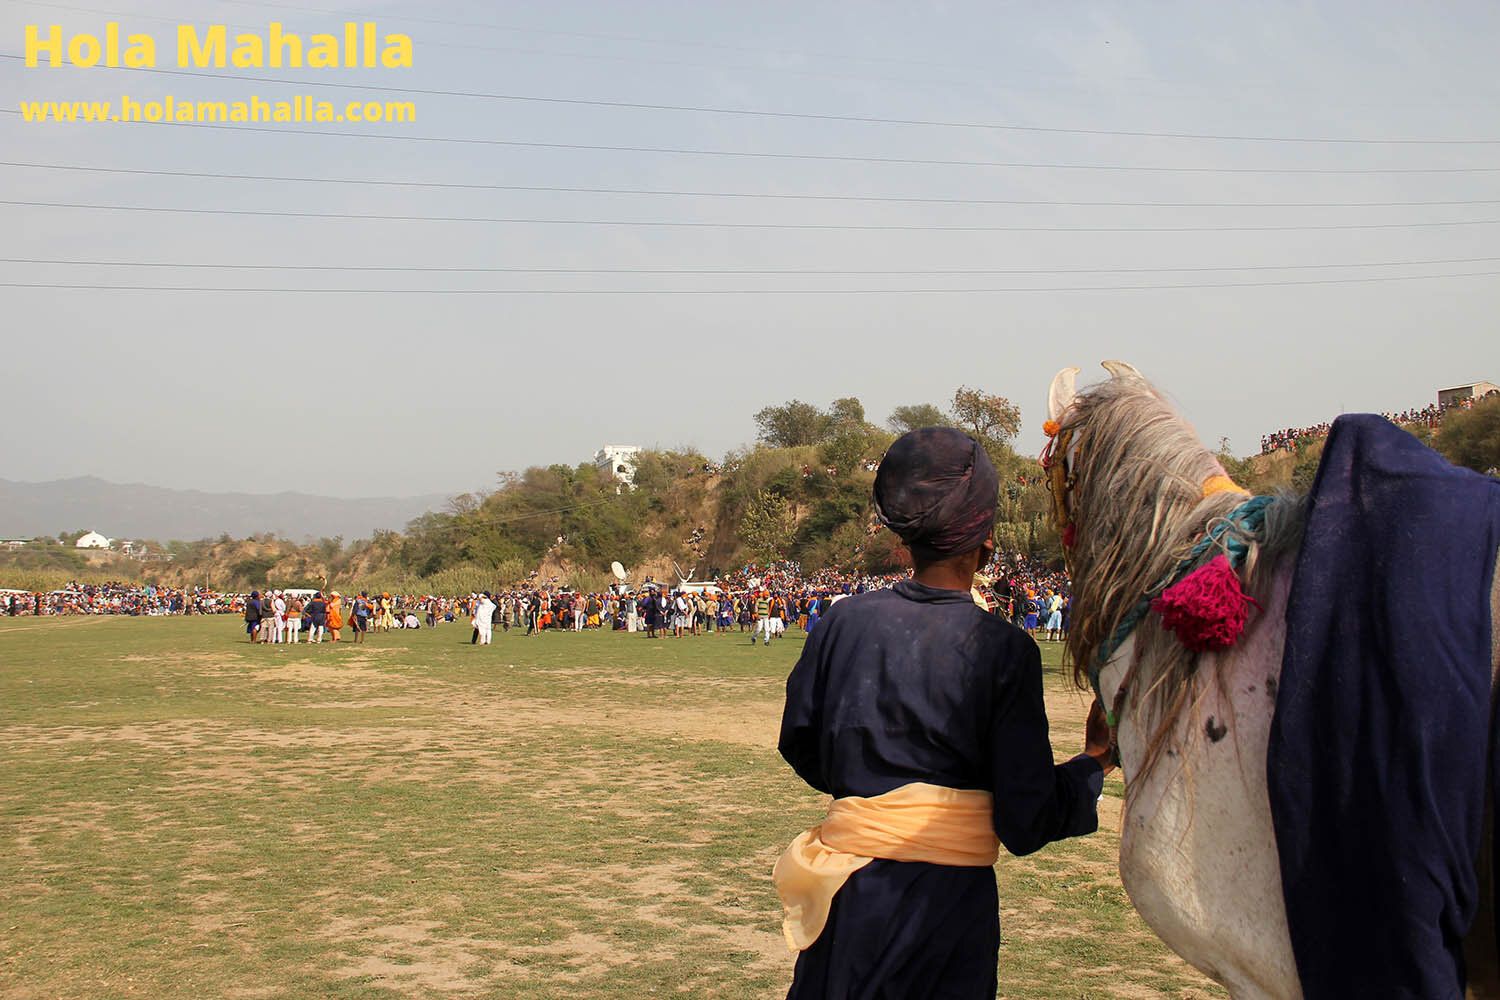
pixel 1132 486
pixel 1072 417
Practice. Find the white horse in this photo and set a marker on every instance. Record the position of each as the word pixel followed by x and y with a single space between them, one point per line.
pixel 1198 854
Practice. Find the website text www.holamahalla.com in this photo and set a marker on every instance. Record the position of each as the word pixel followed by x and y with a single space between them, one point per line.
pixel 302 108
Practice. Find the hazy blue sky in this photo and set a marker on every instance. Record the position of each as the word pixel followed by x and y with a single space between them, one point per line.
pixel 412 393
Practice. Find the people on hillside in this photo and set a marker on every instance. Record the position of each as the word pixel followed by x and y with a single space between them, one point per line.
pixel 1431 415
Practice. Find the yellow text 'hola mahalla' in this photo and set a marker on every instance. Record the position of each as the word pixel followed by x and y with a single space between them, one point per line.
pixel 358 47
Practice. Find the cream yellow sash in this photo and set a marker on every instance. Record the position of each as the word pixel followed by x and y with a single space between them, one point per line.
pixel 916 822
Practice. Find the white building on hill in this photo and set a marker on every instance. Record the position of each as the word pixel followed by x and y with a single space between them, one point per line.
pixel 1458 393
pixel 92 540
pixel 619 461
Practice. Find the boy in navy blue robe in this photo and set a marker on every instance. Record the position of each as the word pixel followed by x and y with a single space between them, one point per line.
pixel 919 685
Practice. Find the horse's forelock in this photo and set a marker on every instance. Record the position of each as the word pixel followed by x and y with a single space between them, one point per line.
pixel 1137 502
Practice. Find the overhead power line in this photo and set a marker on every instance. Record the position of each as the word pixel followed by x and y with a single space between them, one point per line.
pixel 792 226
pixel 746 272
pixel 769 195
pixel 789 115
pixel 745 291
pixel 817 157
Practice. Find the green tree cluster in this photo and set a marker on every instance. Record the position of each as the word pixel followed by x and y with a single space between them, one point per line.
pixel 1471 437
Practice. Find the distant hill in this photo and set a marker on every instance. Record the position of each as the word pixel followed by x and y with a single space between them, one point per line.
pixel 135 510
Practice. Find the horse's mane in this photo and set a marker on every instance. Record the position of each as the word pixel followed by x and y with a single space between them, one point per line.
pixel 1138 508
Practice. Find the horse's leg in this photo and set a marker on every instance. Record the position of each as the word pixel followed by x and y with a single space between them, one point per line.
pixel 1481 954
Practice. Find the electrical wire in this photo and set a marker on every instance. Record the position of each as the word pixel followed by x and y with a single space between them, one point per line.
pixel 749 272
pixel 792 226
pixel 818 157
pixel 771 195
pixel 744 291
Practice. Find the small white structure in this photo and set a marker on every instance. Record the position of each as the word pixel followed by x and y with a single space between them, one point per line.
pixel 1458 393
pixel 619 461
pixel 92 540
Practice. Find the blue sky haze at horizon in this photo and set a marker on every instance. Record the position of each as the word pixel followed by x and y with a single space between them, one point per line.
pixel 402 394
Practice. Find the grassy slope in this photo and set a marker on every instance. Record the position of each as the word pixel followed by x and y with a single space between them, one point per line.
pixel 568 816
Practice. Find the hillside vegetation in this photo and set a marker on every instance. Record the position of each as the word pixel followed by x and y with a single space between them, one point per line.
pixel 801 493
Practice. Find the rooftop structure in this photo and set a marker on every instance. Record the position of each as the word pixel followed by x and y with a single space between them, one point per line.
pixel 619 461
pixel 1459 393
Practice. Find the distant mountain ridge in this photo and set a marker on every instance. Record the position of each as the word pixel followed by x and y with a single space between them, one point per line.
pixel 135 510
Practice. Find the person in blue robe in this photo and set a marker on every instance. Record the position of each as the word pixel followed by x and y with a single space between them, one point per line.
pixel 917 684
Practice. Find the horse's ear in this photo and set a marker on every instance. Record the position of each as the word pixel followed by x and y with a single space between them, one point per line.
pixel 1060 396
pixel 1119 369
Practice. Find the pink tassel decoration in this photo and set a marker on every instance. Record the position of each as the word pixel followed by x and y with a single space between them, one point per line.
pixel 1206 608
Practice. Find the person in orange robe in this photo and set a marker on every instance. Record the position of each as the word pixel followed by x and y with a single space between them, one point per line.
pixel 335 615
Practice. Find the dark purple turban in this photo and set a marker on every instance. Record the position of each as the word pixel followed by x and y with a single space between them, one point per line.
pixel 937 490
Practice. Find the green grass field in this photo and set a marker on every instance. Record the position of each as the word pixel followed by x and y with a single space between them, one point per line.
pixel 186 815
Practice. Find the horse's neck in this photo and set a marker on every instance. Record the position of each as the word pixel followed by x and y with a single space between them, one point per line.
pixel 1198 853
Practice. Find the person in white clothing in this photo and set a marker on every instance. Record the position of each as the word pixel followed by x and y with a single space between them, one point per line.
pixel 484 618
pixel 279 604
pixel 293 618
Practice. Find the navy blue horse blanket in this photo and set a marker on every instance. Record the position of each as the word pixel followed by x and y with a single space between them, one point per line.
pixel 1380 749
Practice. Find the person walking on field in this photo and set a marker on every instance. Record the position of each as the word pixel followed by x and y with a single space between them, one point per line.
pixel 778 615
pixel 317 617
pixel 252 615
pixel 1054 617
pixel 278 620
pixel 335 615
pixel 293 619
pixel 762 617
pixel 359 616
pixel 936 752
pixel 484 618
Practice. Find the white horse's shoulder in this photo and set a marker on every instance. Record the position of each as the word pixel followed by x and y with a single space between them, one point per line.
pixel 1198 852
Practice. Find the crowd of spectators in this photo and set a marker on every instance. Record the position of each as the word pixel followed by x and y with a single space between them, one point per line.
pixel 119 598
pixel 1288 439
pixel 762 601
